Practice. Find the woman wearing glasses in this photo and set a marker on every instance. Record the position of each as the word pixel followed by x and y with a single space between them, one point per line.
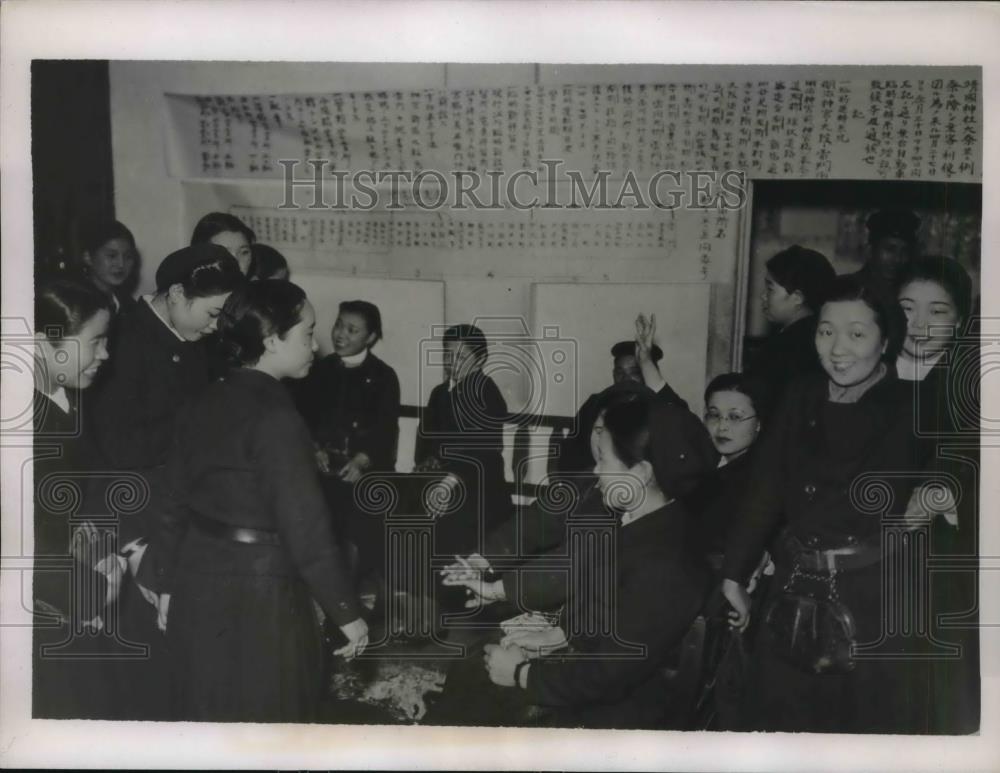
pixel 734 423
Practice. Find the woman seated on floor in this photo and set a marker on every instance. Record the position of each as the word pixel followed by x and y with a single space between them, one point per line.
pixel 599 667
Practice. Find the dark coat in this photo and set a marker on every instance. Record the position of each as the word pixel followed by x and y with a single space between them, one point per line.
pixel 152 375
pixel 827 473
pixel 574 450
pixel 241 625
pixel 70 677
pixel 594 689
pixel 463 429
pixel 947 402
pixel 784 357
pixel 353 409
pixel 718 502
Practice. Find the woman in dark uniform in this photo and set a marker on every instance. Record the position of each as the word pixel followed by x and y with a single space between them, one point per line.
pixel 159 363
pixel 617 635
pixel 245 543
pixel 351 403
pixel 227 231
pixel 936 296
pixel 77 574
pixel 461 436
pixel 838 456
pixel 109 260
pixel 734 421
pixel 795 286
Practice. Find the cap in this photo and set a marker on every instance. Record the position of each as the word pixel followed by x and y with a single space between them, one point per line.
pixel 178 266
pixel 627 349
pixel 899 223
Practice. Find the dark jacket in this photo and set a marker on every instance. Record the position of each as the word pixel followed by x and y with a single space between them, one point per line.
pixel 152 375
pixel 62 461
pixel 243 457
pixel 591 687
pixel 574 450
pixel 812 454
pixel 784 357
pixel 717 503
pixel 353 409
pixel 463 428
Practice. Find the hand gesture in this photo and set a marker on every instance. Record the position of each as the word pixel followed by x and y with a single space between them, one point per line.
pixel 85 545
pixel 739 600
pixel 162 609
pixel 351 471
pixel 470 576
pixel 357 639
pixel 535 641
pixel 438 496
pixel 501 663
pixel 930 500
pixel 464 569
pixel 323 461
pixel 645 333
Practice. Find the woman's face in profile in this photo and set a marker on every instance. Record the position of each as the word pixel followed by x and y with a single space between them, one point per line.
pixel 620 487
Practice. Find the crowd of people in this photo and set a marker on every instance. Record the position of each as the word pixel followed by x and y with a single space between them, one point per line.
pixel 229 463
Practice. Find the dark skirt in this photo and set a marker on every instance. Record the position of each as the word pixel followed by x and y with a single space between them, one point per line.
pixel 886 692
pixel 243 635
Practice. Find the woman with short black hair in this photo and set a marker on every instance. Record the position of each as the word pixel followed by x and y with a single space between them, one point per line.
pixel 837 458
pixel 245 542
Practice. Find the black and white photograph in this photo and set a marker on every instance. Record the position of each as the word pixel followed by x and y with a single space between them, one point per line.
pixel 415 402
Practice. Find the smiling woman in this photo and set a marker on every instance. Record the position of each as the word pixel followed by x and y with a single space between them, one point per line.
pixel 828 598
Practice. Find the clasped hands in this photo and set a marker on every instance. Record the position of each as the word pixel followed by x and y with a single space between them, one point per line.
pixel 351 472
pixel 470 572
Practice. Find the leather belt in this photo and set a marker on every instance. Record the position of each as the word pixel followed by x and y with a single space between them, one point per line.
pixel 840 559
pixel 242 534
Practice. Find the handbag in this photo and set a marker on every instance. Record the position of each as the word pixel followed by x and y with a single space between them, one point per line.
pixel 809 626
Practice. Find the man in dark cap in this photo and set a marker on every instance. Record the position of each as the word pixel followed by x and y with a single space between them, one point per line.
pixel 892 243
pixel 627 376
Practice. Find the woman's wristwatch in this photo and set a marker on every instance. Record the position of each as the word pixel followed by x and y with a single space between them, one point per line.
pixel 518 682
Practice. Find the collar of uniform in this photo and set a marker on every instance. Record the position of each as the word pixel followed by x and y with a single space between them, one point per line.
pixel 258 381
pixel 661 527
pixel 854 392
pixel 354 360
pixel 916 370
pixel 59 398
pixel 149 303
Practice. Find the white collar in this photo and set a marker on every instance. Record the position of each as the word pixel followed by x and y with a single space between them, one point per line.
pixel 353 360
pixel 60 398
pixel 149 300
pixel 909 369
pixel 630 517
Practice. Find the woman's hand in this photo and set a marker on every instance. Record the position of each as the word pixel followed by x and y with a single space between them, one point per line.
pixel 85 545
pixel 739 600
pixel 645 332
pixel 930 500
pixel 438 497
pixel 357 639
pixel 323 461
pixel 464 569
pixel 162 609
pixel 114 568
pixel 501 663
pixel 355 468
pixel 536 642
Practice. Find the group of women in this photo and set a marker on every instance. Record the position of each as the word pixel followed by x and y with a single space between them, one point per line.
pixel 243 457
